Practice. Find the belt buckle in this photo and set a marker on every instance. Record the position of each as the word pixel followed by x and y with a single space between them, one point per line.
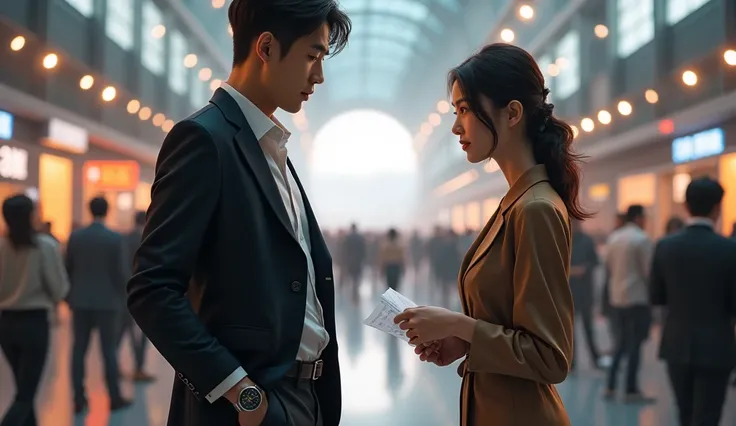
pixel 317 370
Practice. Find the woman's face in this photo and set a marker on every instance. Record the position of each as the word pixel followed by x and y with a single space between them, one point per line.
pixel 475 138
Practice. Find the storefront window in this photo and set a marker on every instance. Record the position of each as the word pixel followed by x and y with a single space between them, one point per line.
pixel 85 7
pixel 677 10
pixel 120 22
pixel 153 49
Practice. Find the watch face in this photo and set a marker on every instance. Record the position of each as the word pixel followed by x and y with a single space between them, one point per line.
pixel 250 398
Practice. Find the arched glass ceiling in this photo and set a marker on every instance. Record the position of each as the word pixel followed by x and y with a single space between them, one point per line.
pixel 387 35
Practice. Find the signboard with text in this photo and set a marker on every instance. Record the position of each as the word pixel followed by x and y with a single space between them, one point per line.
pixel 112 175
pixel 699 145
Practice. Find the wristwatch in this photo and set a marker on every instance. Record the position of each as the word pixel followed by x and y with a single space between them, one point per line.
pixel 249 399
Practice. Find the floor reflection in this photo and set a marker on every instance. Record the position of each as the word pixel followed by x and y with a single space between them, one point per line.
pixel 383 382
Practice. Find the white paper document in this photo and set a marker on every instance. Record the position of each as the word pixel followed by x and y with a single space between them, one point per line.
pixel 391 304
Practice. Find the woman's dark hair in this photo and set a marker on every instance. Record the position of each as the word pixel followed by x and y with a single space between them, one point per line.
pixel 287 20
pixel 503 73
pixel 18 214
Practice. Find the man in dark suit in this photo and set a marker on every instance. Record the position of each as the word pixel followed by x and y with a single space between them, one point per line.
pixel 694 276
pixel 98 268
pixel 233 281
pixel 138 340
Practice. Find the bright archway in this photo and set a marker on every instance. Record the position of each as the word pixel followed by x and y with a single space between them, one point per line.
pixel 363 170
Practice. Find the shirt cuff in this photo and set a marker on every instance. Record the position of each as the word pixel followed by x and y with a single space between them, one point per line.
pixel 231 380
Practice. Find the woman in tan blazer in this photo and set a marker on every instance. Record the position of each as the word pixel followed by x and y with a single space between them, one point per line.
pixel 516 328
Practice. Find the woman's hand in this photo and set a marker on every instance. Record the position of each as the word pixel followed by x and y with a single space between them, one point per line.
pixel 427 323
pixel 443 352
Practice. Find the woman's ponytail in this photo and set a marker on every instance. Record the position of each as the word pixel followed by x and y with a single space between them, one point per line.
pixel 552 141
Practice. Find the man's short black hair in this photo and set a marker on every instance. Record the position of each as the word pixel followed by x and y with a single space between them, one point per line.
pixel 702 196
pixel 634 212
pixel 287 20
pixel 140 218
pixel 98 207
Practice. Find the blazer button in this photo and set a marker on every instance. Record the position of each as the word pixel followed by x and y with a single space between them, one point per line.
pixel 296 286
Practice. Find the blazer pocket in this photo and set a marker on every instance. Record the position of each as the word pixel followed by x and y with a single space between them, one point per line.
pixel 244 338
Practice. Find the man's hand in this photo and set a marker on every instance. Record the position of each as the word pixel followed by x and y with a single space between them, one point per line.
pixel 443 352
pixel 247 418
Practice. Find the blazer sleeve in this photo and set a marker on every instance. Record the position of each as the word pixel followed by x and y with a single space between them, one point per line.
pixel 539 345
pixel 657 288
pixel 183 198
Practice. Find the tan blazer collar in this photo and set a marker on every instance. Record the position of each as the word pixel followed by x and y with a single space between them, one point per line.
pixel 530 178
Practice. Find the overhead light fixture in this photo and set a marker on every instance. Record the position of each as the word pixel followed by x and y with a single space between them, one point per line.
pixel 17 43
pixel 443 107
pixel 624 108
pixel 205 74
pixel 435 119
pixel 158 119
pixel 190 61
pixel 109 93
pixel 86 82
pixel 651 96
pixel 145 113
pixel 50 61
pixel 587 124
pixel 730 57
pixel 133 106
pixel 604 117
pixel 167 126
pixel 553 70
pixel 507 35
pixel 689 78
pixel 562 62
pixel 218 3
pixel 526 12
pixel 575 131
pixel 600 31
pixel 158 31
pixel 215 84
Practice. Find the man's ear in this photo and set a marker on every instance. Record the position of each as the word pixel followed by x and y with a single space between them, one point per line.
pixel 264 46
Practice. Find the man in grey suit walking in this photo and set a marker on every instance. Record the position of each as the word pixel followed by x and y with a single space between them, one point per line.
pixel 98 268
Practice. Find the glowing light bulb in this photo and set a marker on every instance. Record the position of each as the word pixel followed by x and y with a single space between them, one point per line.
pixel 50 61
pixel 624 108
pixel 587 124
pixel 17 43
pixel 86 82
pixel 507 35
pixel 109 93
pixel 689 78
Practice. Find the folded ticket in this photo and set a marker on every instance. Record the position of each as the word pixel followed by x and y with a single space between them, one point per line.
pixel 391 304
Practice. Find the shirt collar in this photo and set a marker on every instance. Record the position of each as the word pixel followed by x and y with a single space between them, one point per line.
pixel 700 221
pixel 259 122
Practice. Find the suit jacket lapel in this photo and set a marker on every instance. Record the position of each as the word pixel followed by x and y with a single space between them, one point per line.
pixel 254 156
pixel 486 242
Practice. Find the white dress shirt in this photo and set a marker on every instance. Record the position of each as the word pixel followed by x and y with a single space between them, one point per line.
pixel 272 138
pixel 628 257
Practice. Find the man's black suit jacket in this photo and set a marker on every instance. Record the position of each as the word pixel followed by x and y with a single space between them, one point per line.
pixel 220 280
pixel 694 276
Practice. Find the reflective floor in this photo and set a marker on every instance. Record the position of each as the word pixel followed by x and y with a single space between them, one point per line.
pixel 383 382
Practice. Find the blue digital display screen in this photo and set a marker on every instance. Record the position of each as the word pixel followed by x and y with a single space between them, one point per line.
pixel 699 145
pixel 6 125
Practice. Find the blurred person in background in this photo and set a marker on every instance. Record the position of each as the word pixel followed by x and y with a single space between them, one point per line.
pixel 32 283
pixel 674 224
pixel 694 278
pixel 583 262
pixel 628 260
pixel 516 329
pixel 138 340
pixel 98 268
pixel 392 259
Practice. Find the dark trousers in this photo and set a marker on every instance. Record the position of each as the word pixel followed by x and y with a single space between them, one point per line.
pixel 106 322
pixel 138 340
pixel 632 329
pixel 393 273
pixel 293 402
pixel 699 393
pixel 24 339
pixel 584 311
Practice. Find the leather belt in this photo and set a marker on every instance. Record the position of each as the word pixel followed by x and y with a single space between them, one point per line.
pixel 306 370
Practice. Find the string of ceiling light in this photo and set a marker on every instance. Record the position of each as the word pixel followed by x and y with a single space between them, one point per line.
pixel 109 93
pixel 586 124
